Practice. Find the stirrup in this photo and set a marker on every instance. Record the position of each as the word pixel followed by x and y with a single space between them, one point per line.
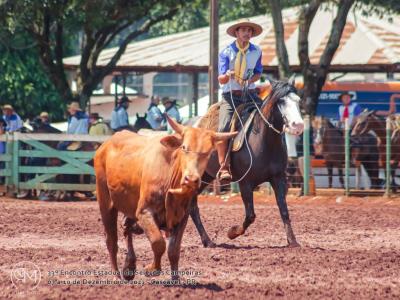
pixel 224 175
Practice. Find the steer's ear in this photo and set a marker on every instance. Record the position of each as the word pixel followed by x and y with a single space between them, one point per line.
pixel 223 136
pixel 172 141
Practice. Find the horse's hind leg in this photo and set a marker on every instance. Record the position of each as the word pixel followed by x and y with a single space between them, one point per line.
pixel 129 268
pixel 280 189
pixel 247 198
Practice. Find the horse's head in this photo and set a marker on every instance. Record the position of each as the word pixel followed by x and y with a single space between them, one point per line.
pixel 364 123
pixel 141 123
pixel 283 98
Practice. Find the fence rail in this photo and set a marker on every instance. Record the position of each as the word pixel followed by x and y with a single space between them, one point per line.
pixel 30 162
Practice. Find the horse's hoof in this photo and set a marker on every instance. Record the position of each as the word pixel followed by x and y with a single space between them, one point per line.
pixel 129 270
pixel 294 245
pixel 235 231
pixel 209 244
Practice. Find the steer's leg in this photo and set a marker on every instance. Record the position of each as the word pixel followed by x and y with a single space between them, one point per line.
pixel 279 186
pixel 153 233
pixel 174 246
pixel 128 271
pixel 246 191
pixel 109 217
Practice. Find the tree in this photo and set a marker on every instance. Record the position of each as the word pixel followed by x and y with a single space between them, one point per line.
pixel 97 22
pixel 314 76
pixel 23 83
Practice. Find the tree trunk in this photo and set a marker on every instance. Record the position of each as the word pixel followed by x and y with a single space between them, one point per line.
pixel 283 58
pixel 315 76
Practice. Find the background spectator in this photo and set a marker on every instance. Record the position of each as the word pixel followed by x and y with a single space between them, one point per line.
pixel 119 116
pixel 154 115
pixel 78 123
pixel 97 126
pixel 44 117
pixel 12 119
pixel 171 110
pixel 348 110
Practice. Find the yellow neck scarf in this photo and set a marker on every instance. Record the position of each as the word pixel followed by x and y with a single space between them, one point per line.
pixel 240 63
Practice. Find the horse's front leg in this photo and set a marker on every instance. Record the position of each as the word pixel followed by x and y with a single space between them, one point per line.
pixel 279 186
pixel 195 215
pixel 247 198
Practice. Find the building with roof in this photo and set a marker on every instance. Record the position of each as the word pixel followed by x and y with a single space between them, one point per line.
pixel 369 50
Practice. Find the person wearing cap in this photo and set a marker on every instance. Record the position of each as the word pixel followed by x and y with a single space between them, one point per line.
pixel 97 126
pixel 171 110
pixel 12 119
pixel 239 62
pixel 119 116
pixel 348 110
pixel 154 116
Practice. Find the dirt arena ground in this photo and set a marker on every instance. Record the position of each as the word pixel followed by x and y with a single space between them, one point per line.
pixel 350 249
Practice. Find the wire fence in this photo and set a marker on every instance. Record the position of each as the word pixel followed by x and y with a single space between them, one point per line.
pixel 359 158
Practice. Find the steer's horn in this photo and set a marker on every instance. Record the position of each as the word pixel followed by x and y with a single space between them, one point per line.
pixel 222 136
pixel 175 125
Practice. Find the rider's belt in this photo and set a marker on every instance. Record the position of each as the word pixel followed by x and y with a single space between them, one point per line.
pixel 239 93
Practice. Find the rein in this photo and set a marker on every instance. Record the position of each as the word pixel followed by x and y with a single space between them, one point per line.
pixel 269 124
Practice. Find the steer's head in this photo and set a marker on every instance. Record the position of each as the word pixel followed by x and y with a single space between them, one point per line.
pixel 196 146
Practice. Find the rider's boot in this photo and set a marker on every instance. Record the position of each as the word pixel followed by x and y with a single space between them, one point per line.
pixel 224 174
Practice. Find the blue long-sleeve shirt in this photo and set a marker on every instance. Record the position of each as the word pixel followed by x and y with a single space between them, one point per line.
pixel 154 116
pixel 119 118
pixel 78 123
pixel 13 122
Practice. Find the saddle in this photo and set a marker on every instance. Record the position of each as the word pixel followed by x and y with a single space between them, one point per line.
pixel 246 113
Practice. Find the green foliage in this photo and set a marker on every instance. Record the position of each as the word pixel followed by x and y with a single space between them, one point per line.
pixel 24 85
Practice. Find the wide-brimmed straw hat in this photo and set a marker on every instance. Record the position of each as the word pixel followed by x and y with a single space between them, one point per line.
pixel 8 106
pixel 44 114
pixel 257 29
pixel 74 106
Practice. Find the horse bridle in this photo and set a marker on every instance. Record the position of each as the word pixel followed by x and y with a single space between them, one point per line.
pixel 269 124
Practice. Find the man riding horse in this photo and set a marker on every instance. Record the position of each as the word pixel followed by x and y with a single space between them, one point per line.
pixel 239 62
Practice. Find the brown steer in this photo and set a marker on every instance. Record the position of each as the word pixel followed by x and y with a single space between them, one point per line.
pixel 151 180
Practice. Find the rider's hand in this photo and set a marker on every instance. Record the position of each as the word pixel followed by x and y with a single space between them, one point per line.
pixel 230 73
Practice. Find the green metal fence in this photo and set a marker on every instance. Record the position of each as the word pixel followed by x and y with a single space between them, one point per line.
pixel 349 168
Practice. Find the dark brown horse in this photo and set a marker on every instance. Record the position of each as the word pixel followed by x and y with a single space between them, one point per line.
pixel 264 160
pixel 331 140
pixel 368 121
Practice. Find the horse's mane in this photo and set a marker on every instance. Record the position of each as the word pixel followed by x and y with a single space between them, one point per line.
pixel 331 126
pixel 279 90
